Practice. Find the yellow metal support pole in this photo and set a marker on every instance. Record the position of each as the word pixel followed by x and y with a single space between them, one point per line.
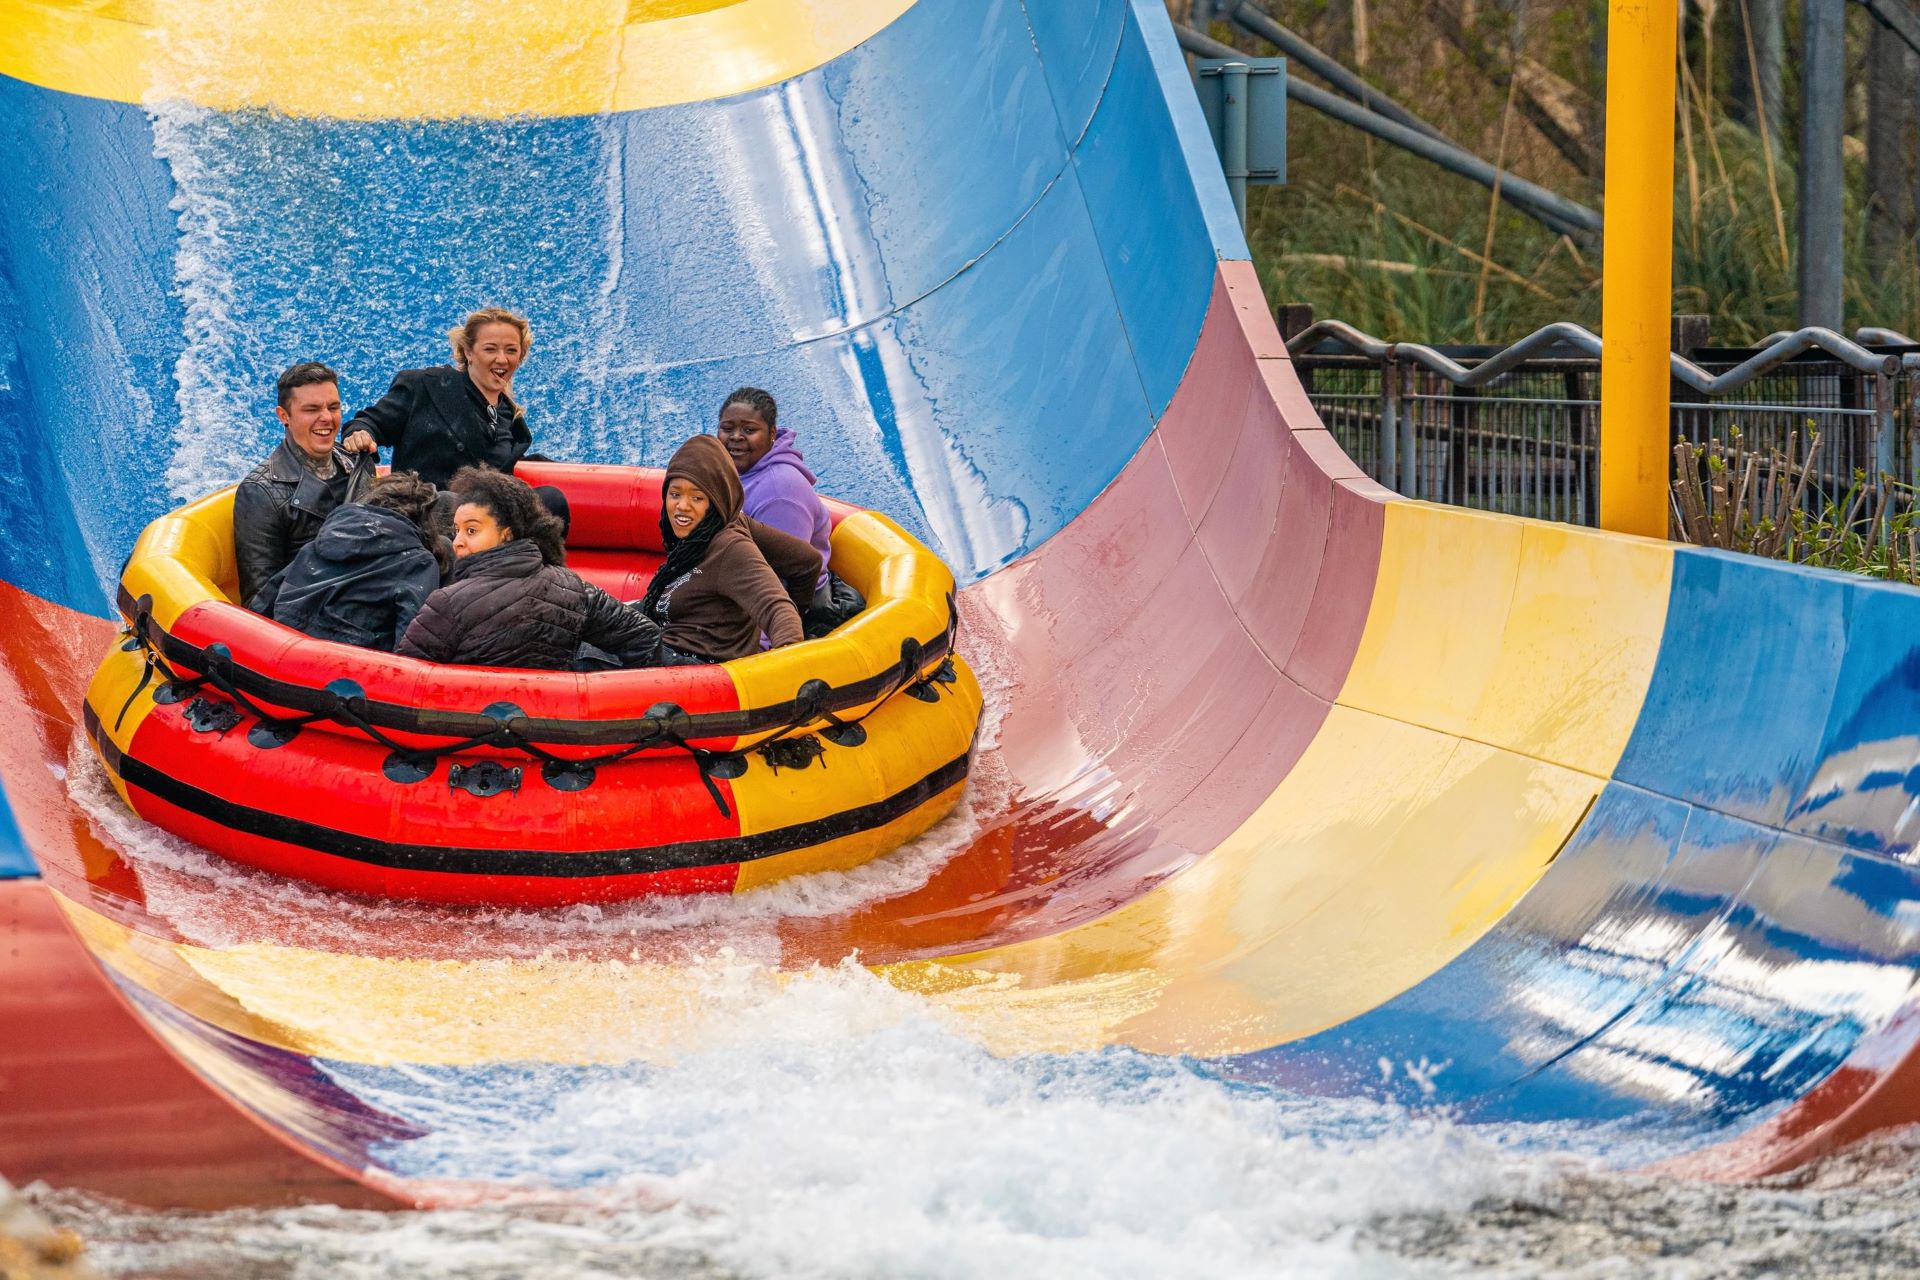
pixel 1636 301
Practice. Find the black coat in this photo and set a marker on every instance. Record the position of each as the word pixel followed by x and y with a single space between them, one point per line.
pixel 279 507
pixel 438 422
pixel 505 607
pixel 360 581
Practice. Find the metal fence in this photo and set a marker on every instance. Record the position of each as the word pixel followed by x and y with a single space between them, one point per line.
pixel 1517 429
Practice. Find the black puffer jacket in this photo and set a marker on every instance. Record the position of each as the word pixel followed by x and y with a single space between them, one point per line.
pixel 438 422
pixel 507 608
pixel 278 509
pixel 360 581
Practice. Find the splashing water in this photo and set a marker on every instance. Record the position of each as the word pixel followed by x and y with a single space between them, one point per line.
pixel 1419 1201
pixel 836 1127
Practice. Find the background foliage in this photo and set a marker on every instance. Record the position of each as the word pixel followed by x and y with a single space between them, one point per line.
pixel 1372 235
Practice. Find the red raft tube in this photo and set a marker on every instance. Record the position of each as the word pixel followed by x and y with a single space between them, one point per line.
pixel 387 776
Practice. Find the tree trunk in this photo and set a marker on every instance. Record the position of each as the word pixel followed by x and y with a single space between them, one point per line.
pixel 1822 178
pixel 1893 72
pixel 1758 48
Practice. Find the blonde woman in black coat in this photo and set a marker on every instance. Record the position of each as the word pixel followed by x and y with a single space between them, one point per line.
pixel 454 415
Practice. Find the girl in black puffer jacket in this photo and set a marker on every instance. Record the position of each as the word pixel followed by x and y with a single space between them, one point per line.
pixel 512 602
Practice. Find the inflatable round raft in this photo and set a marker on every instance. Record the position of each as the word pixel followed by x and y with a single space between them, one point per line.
pixel 384 775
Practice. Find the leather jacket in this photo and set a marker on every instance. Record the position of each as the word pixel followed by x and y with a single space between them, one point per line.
pixel 279 507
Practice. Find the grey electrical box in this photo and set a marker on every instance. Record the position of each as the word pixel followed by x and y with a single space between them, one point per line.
pixel 1265 111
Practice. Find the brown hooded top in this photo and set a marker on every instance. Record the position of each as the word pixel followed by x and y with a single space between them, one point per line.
pixel 751 580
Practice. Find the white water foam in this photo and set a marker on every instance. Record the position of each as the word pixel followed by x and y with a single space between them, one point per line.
pixel 217 412
pixel 836 1126
pixel 1392 1205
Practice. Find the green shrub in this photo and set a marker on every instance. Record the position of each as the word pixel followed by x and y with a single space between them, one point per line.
pixel 1728 496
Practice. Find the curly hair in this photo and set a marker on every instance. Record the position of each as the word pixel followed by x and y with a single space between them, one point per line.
pixel 405 493
pixel 464 334
pixel 758 401
pixel 513 507
pixel 408 495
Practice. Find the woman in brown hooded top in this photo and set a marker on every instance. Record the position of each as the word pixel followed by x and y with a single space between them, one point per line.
pixel 727 580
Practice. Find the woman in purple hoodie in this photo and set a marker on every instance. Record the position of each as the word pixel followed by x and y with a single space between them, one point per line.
pixel 780 493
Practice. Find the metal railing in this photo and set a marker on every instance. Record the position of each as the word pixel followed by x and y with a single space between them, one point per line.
pixel 1518 429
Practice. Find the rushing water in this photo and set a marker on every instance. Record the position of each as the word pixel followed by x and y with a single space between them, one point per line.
pixel 831 1124
pixel 1050 1182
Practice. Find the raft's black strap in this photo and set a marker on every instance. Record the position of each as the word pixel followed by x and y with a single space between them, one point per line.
pixel 146 678
pixel 218 660
pixel 740 723
pixel 140 631
pixel 809 707
pixel 703 761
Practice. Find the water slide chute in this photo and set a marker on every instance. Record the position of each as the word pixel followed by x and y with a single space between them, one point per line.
pixel 1326 789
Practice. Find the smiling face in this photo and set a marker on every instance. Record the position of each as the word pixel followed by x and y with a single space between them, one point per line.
pixel 686 506
pixel 745 434
pixel 494 356
pixel 311 416
pixel 475 530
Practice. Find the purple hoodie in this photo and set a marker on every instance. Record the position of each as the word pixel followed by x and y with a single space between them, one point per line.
pixel 780 493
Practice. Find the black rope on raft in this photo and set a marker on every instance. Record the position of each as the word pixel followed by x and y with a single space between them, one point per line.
pixel 218 674
pixel 140 636
pixel 810 699
pixel 347 706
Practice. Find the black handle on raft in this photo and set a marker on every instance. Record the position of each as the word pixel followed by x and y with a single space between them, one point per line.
pixel 137 639
pixel 484 778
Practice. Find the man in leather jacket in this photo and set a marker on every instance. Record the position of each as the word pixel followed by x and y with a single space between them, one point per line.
pixel 278 508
